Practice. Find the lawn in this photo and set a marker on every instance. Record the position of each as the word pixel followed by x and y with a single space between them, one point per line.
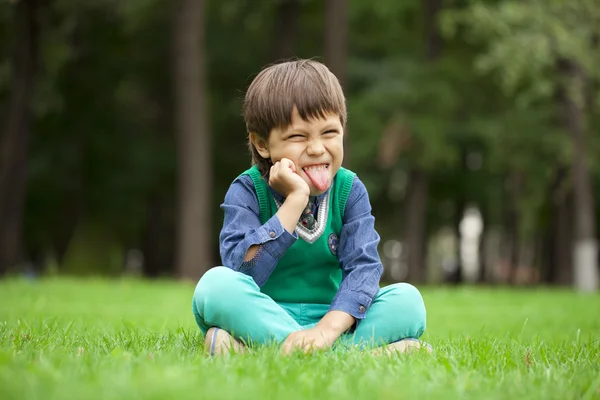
pixel 99 339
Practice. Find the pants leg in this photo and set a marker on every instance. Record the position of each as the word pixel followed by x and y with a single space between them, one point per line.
pixel 397 312
pixel 232 301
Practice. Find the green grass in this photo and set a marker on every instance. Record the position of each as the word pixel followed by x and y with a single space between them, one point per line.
pixel 91 339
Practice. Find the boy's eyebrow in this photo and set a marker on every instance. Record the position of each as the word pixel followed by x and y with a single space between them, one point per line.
pixel 298 128
pixel 302 129
pixel 290 130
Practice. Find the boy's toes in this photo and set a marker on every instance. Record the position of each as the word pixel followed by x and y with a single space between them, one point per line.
pixel 403 346
pixel 220 342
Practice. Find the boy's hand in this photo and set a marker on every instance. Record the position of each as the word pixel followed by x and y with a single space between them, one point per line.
pixel 307 341
pixel 284 179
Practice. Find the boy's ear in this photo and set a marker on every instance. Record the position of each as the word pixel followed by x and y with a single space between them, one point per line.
pixel 261 145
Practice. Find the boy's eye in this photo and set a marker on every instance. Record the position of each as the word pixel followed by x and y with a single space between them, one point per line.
pixel 330 132
pixel 296 136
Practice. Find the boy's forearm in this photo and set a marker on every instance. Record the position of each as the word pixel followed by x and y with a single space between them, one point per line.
pixel 290 211
pixel 334 323
pixel 288 215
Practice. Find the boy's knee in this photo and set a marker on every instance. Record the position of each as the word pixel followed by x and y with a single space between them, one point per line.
pixel 219 285
pixel 215 281
pixel 410 305
pixel 409 291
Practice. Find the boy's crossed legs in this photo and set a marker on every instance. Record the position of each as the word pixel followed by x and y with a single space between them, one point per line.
pixel 233 302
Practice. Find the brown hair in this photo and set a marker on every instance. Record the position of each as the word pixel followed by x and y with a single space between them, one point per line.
pixel 307 85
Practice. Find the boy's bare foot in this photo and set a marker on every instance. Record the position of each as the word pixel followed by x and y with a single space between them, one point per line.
pixel 220 342
pixel 402 346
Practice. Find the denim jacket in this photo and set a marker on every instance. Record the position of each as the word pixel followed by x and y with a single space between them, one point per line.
pixel 357 251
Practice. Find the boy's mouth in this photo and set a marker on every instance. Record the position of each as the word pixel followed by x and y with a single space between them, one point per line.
pixel 318 175
pixel 316 167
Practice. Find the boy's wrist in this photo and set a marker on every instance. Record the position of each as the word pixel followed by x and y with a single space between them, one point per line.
pixel 334 323
pixel 298 198
pixel 291 209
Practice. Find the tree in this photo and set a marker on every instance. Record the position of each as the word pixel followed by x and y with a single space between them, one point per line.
pixel 524 42
pixel 335 50
pixel 193 255
pixel 286 29
pixel 14 141
pixel 585 253
pixel 336 38
pixel 415 211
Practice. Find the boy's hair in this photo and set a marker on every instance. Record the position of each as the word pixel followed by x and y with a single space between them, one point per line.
pixel 305 84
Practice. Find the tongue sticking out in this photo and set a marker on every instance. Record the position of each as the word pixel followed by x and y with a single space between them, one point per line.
pixel 319 177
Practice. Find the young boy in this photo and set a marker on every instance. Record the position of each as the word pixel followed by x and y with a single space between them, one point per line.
pixel 298 243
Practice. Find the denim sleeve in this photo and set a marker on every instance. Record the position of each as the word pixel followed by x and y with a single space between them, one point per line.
pixel 357 252
pixel 242 229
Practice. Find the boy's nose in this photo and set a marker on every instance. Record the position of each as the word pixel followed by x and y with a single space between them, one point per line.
pixel 315 148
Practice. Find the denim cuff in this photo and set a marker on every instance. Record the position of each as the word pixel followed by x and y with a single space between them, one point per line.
pixel 273 241
pixel 246 265
pixel 353 303
pixel 275 238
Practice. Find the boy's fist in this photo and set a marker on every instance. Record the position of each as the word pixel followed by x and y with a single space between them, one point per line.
pixel 285 181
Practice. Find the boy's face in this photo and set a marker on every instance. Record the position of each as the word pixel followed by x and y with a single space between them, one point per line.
pixel 315 147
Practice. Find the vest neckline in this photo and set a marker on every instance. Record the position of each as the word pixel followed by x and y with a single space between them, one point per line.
pixel 311 235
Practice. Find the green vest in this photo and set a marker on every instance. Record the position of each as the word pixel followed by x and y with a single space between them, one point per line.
pixel 309 271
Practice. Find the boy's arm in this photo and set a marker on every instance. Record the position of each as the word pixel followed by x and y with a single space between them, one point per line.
pixel 358 255
pixel 288 215
pixel 245 244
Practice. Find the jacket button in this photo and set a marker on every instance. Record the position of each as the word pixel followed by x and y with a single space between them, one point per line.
pixel 361 309
pixel 272 234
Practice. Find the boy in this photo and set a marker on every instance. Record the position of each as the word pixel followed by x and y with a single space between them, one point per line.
pixel 298 243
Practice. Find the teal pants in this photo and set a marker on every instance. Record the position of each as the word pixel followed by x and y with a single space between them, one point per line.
pixel 232 301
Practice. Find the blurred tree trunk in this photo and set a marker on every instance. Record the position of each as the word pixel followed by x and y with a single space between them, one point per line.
pixel 71 214
pixel 158 237
pixel 336 38
pixel 558 245
pixel 14 141
pixel 286 30
pixel 433 39
pixel 512 244
pixel 336 52
pixel 456 276
pixel 513 226
pixel 157 243
pixel 585 255
pixel 415 235
pixel 550 264
pixel 563 239
pixel 482 275
pixel 193 256
pixel 460 204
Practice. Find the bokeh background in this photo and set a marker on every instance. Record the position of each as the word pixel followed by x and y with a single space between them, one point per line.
pixel 474 125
